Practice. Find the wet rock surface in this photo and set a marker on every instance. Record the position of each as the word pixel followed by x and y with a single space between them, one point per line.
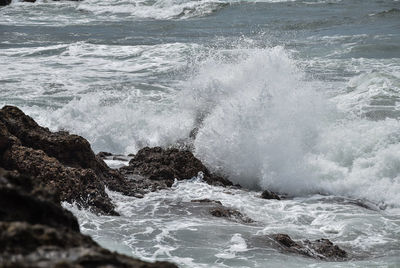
pixel 35 231
pixel 165 165
pixel 231 214
pixel 206 200
pixel 66 165
pixel 322 249
pixel 63 163
pixel 40 168
pixel 269 195
pixel 5 2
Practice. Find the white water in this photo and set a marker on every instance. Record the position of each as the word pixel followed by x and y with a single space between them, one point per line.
pixel 167 226
pixel 265 124
pixel 300 97
pixel 90 11
pixel 267 127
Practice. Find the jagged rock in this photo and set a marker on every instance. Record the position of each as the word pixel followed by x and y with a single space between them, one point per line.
pixel 319 249
pixel 26 245
pixel 168 164
pixel 24 238
pixel 70 150
pixel 72 184
pixel 62 162
pixel 15 205
pixel 5 2
pixel 206 200
pixel 66 164
pixel 230 214
pixel 104 155
pixel 37 232
pixel 269 195
pixel 79 257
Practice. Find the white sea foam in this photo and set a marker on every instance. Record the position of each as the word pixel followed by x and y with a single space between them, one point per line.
pixel 260 121
pixel 159 9
pixel 91 11
pixel 101 92
pixel 166 225
pixel 265 126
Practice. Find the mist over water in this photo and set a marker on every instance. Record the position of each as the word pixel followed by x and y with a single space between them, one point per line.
pixel 299 97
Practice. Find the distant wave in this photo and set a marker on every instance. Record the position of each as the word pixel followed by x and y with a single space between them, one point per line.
pixel 158 9
pixel 389 12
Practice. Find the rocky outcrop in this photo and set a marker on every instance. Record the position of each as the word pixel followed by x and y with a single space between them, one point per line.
pixel 59 161
pixel 5 2
pixel 231 214
pixel 35 231
pixel 165 165
pixel 66 165
pixel 319 249
pixel 206 200
pixel 70 150
pixel 269 195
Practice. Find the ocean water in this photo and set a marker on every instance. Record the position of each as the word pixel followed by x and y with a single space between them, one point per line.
pixel 300 97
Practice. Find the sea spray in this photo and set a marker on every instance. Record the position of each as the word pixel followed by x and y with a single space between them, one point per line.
pixel 265 126
pixel 262 121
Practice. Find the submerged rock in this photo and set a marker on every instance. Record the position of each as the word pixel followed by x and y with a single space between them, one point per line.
pixel 231 214
pixel 168 164
pixel 319 249
pixel 206 200
pixel 104 155
pixel 269 195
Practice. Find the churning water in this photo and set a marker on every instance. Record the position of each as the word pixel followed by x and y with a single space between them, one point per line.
pixel 300 97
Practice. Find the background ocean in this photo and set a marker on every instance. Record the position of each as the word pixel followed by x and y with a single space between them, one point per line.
pixel 299 97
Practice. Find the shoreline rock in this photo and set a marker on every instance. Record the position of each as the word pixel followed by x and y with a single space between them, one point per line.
pixel 231 214
pixel 50 167
pixel 322 249
pixel 63 163
pixel 66 165
pixel 269 195
pixel 165 165
pixel 35 231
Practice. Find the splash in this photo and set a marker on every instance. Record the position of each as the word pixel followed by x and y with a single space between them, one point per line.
pixel 262 119
pixel 265 126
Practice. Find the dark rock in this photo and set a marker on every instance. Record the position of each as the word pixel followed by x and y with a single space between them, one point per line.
pixel 120 158
pixel 285 240
pixel 79 257
pixel 230 214
pixel 104 155
pixel 70 150
pixel 327 249
pixel 24 238
pixel 78 185
pixel 269 195
pixel 206 200
pixel 319 249
pixel 63 163
pixel 5 2
pixel 169 164
pixel 37 232
pixel 17 205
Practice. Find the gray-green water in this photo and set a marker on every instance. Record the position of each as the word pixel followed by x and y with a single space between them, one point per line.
pixel 300 97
